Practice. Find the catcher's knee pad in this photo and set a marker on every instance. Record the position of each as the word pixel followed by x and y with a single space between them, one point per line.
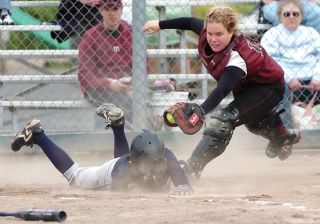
pixel 215 139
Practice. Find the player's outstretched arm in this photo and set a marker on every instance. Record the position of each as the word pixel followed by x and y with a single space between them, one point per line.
pixel 151 27
pixel 182 23
pixel 177 175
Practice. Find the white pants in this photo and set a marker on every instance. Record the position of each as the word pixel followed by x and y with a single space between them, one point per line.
pixel 90 177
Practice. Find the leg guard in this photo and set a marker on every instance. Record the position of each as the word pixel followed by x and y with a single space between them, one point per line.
pixel 215 139
pixel 270 127
pixel 273 129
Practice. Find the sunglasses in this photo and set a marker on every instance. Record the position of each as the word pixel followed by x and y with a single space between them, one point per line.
pixel 294 14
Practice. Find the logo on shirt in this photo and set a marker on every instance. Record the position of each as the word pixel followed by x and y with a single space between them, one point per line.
pixel 116 48
pixel 255 46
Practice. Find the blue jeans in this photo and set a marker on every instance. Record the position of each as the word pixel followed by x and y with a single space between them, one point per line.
pixel 311 14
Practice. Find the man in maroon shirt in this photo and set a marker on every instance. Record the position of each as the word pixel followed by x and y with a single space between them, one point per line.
pixel 105 59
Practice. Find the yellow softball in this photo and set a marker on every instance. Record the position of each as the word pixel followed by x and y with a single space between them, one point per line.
pixel 170 118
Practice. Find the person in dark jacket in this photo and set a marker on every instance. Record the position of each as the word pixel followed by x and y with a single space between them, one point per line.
pixel 75 18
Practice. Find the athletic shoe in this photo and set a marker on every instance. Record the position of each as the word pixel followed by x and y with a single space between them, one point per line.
pixel 25 137
pixel 113 115
pixel 283 147
pixel 6 20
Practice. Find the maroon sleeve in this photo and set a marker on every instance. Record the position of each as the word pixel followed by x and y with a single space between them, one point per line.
pixel 88 70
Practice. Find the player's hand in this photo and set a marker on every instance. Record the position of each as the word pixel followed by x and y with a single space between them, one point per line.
pixel 314 85
pixel 294 84
pixel 128 90
pixel 117 86
pixel 151 27
pixel 182 190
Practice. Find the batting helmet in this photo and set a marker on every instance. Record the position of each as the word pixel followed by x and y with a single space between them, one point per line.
pixel 147 146
pixel 147 152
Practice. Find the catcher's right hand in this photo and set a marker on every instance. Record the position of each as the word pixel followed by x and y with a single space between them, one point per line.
pixel 189 117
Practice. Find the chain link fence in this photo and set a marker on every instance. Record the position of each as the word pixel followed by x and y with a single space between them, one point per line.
pixel 61 75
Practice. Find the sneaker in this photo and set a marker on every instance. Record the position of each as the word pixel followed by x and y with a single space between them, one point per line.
pixel 25 137
pixel 113 115
pixel 6 20
pixel 283 148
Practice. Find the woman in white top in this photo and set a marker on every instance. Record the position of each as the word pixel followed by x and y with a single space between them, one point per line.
pixel 297 49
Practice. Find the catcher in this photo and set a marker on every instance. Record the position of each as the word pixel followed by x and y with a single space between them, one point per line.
pixel 147 166
pixel 241 66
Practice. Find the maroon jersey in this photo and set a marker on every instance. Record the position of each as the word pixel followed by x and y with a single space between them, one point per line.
pixel 261 68
pixel 103 57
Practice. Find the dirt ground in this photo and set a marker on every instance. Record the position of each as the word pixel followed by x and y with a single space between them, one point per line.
pixel 241 187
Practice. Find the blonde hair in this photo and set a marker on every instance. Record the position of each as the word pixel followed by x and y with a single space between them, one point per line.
pixel 225 15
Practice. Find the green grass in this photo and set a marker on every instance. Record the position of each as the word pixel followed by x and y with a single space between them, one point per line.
pixel 25 40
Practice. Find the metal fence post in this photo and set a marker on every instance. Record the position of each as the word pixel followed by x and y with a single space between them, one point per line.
pixel 139 77
pixel 162 41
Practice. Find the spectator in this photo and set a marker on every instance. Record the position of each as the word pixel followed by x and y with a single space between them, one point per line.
pixel 105 59
pixel 75 18
pixel 297 49
pixel 5 15
pixel 310 18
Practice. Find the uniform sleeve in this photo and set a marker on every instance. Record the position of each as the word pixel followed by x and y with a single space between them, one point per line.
pixel 175 172
pixel 229 79
pixel 183 23
pixel 121 175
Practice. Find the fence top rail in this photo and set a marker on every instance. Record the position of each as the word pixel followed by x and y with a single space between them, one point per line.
pixel 23 79
pixel 37 78
pixel 49 104
pixel 64 104
pixel 148 2
pixel 37 53
pixel 74 53
pixel 246 28
pixel 30 28
pixel 34 3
